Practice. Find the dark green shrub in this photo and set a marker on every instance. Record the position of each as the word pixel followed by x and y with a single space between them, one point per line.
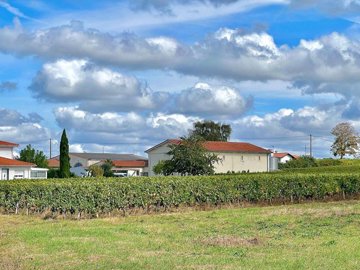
pixel 53 173
pixel 302 162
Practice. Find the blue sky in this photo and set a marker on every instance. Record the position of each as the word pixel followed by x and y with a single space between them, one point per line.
pixel 121 76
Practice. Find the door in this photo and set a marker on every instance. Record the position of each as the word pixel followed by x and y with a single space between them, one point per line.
pixel 5 174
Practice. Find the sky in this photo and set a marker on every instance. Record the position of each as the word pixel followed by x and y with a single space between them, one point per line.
pixel 122 76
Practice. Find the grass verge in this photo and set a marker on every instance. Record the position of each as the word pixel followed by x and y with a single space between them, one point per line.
pixel 307 236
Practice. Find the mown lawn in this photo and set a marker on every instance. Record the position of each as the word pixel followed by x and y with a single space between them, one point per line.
pixel 308 236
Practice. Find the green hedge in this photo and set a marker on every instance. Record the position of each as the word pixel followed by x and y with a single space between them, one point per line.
pixel 324 169
pixel 96 197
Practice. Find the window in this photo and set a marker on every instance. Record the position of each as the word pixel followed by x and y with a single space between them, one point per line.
pixel 259 157
pixel 38 174
pixel 18 174
pixel 242 158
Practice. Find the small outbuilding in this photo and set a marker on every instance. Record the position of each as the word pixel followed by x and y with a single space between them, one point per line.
pixel 284 157
pixel 11 169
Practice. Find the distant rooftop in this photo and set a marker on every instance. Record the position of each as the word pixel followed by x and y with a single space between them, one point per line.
pixel 53 163
pixel 281 155
pixel 130 163
pixel 14 163
pixel 104 156
pixel 9 144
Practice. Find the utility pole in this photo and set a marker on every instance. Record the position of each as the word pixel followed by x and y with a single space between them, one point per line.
pixel 50 148
pixel 305 149
pixel 310 145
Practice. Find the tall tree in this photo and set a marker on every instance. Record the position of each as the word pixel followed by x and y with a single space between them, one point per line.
pixel 188 158
pixel 29 154
pixel 64 156
pixel 346 140
pixel 211 131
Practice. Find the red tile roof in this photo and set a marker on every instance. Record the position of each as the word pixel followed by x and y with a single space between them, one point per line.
pixel 281 155
pixel 9 144
pixel 14 163
pixel 53 163
pixel 130 163
pixel 216 146
pixel 234 147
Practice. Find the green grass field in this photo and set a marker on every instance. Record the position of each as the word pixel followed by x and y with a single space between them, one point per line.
pixel 307 236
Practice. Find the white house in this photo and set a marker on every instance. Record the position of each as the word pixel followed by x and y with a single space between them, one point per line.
pixel 11 168
pixel 284 157
pixel 235 156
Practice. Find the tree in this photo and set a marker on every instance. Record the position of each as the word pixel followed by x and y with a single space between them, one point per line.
pixel 164 167
pixel 189 158
pixel 53 173
pixel 159 167
pixel 107 166
pixel 346 140
pixel 64 156
pixel 96 170
pixel 29 154
pixel 211 131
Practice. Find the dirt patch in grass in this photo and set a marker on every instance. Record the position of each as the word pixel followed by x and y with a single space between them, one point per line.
pixel 9 263
pixel 231 241
pixel 11 258
pixel 334 211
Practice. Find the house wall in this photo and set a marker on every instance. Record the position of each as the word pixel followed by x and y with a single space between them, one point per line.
pixel 157 155
pixel 285 159
pixel 237 162
pixel 6 152
pixel 25 171
pixel 75 159
pixel 130 171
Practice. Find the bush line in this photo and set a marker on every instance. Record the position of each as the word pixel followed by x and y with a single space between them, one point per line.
pixel 97 197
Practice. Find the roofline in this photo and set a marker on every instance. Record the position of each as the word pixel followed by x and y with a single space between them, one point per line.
pixel 220 151
pixel 77 154
pixel 25 163
pixel 159 145
pixel 287 154
pixel 31 166
pixel 9 145
pixel 246 152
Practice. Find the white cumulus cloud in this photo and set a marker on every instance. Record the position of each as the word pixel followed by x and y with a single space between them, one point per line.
pixel 96 88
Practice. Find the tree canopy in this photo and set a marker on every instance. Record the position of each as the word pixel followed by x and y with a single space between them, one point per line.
pixel 106 166
pixel 96 171
pixel 346 140
pixel 64 156
pixel 29 154
pixel 211 131
pixel 188 158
